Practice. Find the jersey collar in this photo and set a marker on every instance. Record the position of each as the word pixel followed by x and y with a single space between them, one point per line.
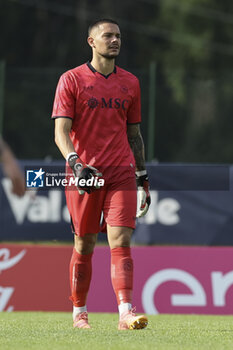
pixel 95 71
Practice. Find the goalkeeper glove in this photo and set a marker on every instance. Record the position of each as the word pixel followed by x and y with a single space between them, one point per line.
pixel 143 195
pixel 82 171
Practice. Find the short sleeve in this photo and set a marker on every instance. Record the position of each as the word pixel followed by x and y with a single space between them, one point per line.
pixel 64 101
pixel 134 112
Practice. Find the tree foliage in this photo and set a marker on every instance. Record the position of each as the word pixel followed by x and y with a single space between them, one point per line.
pixel 190 41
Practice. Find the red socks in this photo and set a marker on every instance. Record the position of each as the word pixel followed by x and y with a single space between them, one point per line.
pixel 122 274
pixel 80 277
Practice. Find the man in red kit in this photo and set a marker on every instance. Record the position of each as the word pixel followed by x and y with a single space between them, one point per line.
pixel 97 116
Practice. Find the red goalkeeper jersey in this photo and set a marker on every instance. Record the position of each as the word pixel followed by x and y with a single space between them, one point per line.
pixel 100 108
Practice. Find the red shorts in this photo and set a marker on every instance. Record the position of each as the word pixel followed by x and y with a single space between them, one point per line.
pixel 117 201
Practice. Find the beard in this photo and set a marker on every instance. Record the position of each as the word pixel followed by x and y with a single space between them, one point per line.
pixel 110 56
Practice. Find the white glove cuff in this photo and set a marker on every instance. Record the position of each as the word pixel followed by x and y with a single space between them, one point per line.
pixel 141 173
pixel 70 154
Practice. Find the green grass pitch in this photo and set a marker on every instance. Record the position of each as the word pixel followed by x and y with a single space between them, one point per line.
pixel 53 331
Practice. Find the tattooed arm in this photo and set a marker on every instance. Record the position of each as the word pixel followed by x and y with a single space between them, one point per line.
pixel 137 145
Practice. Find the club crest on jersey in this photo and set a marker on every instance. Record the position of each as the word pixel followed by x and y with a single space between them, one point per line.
pixel 92 102
pixel 116 103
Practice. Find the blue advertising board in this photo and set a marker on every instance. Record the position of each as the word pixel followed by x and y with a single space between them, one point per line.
pixel 191 204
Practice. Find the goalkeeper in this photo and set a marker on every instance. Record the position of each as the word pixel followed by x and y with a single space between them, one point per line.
pixel 97 117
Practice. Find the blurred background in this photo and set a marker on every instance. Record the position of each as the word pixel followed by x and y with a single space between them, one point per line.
pixel 181 50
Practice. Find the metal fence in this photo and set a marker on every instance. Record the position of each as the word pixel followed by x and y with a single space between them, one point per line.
pixel 195 129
